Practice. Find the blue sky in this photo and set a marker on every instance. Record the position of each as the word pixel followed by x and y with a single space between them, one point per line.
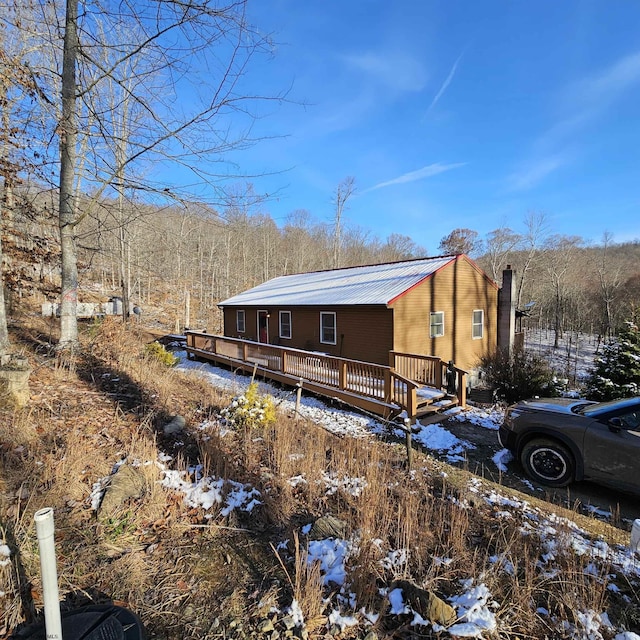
pixel 453 114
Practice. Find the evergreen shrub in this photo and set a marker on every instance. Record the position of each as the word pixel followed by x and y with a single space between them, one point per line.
pixel 519 375
pixel 616 373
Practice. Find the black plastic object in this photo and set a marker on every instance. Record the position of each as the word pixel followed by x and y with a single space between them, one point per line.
pixel 95 622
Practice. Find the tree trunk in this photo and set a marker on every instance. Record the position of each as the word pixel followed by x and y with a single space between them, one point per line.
pixel 4 332
pixel 67 219
pixel 5 203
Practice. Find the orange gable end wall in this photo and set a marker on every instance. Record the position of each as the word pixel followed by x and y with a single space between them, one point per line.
pixel 458 289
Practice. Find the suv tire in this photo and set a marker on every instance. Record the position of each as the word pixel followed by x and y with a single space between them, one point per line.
pixel 548 462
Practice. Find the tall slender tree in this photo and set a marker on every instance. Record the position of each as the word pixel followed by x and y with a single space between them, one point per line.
pixel 610 281
pixel 68 135
pixel 343 192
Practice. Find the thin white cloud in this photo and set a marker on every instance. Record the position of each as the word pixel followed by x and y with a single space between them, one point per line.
pixel 535 172
pixel 584 100
pixel 396 70
pixel 605 87
pixel 419 174
pixel 446 83
pixel 582 103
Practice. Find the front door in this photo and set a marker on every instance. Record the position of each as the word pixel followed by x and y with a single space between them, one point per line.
pixel 263 326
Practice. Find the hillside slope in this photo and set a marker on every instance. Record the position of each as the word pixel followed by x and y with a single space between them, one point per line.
pixel 217 533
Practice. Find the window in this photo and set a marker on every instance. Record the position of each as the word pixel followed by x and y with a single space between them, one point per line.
pixel 328 327
pixel 477 324
pixel 631 421
pixel 240 320
pixel 285 324
pixel 437 324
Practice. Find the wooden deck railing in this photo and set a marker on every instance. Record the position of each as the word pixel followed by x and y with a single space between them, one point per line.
pixel 429 370
pixel 387 385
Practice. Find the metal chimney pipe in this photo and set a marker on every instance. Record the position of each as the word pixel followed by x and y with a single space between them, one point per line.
pixel 49 572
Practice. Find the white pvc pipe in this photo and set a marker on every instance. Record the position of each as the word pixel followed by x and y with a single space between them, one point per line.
pixel 49 571
pixel 635 535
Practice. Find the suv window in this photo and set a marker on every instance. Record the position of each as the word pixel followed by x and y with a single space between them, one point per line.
pixel 631 420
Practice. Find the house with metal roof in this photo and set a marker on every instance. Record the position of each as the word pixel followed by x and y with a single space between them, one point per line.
pixel 444 306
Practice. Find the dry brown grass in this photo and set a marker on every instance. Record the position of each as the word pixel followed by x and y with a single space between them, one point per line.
pixel 189 576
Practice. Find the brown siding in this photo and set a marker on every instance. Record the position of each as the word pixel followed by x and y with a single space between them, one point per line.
pixel 458 290
pixel 363 333
pixel 370 332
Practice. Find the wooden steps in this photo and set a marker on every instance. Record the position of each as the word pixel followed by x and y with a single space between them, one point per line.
pixel 431 401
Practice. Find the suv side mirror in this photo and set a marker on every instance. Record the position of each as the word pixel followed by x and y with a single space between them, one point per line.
pixel 616 425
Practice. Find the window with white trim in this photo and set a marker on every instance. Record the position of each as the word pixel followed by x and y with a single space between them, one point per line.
pixel 285 324
pixel 477 324
pixel 437 324
pixel 327 327
pixel 240 325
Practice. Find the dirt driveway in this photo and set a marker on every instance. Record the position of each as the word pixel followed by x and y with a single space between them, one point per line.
pixel 615 507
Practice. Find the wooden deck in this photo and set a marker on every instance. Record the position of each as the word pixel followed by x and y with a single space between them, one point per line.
pixel 412 383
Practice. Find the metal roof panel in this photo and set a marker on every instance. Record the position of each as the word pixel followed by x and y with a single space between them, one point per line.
pixel 370 284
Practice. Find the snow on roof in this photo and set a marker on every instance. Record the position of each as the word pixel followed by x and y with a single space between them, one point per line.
pixel 371 284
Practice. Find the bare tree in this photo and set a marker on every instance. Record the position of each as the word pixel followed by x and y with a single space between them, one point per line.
pixel 342 194
pixel 461 241
pixel 68 134
pixel 20 97
pixel 299 252
pixel 400 247
pixel 562 252
pixel 532 241
pixel 199 47
pixel 500 243
pixel 610 280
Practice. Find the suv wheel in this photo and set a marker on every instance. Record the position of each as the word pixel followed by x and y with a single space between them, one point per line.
pixel 548 462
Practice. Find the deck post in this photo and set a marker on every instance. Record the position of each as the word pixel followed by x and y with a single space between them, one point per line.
pixel 392 359
pixel 412 403
pixel 342 375
pixel 244 351
pixel 283 362
pixel 462 389
pixel 387 386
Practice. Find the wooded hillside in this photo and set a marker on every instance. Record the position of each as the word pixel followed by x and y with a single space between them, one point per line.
pixel 167 254
pixel 90 126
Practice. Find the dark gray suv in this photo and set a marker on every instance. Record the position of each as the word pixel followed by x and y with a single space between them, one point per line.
pixel 559 440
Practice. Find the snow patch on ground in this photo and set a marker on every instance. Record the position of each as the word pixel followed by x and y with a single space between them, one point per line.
pixel 474 604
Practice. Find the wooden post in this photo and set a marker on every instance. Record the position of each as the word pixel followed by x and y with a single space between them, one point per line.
pixel 283 362
pixel 407 428
pixel 342 375
pixel 388 389
pixel 462 389
pixel 412 403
